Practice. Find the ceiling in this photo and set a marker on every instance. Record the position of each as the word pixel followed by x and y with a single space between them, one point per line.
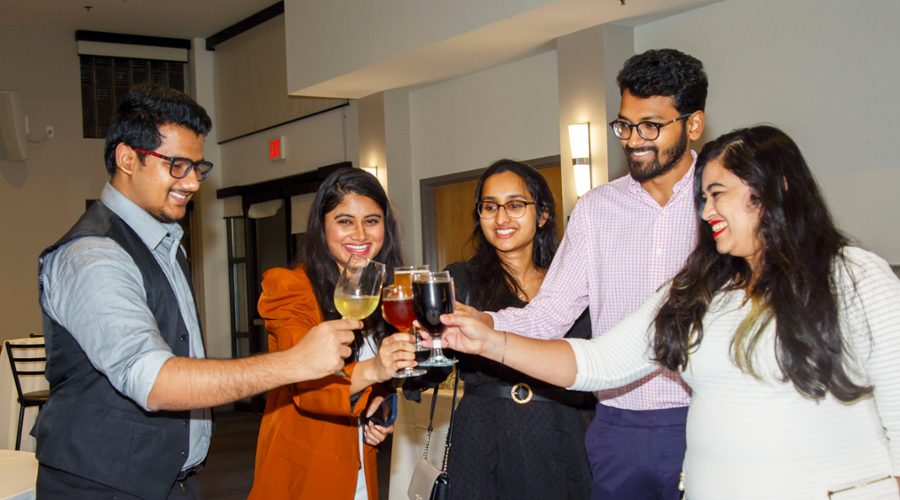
pixel 510 39
pixel 166 18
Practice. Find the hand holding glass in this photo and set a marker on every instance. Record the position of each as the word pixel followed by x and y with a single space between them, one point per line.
pixel 398 311
pixel 432 296
pixel 358 290
pixel 403 276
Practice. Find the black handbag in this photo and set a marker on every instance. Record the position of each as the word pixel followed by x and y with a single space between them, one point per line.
pixel 428 482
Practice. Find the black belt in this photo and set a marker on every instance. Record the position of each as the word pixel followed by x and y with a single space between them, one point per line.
pixel 523 393
pixel 186 473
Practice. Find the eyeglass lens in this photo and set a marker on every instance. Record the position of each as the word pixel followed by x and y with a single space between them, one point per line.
pixel 647 130
pixel 182 166
pixel 514 208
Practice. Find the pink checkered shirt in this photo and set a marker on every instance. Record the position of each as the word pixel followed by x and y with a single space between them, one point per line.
pixel 619 247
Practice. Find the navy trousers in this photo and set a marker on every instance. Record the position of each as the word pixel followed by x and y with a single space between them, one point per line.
pixel 636 455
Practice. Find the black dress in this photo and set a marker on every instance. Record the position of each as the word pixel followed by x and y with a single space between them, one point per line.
pixel 505 450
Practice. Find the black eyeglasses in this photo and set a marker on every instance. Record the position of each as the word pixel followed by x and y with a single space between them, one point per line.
pixel 179 168
pixel 514 208
pixel 649 131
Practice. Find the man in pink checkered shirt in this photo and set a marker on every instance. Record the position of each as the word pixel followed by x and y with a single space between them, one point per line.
pixel 625 239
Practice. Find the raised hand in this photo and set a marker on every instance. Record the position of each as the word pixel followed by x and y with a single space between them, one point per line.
pixel 323 349
pixel 466 332
pixel 484 317
pixel 396 352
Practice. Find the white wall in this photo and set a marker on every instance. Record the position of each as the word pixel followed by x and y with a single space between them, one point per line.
pixel 588 62
pixel 825 72
pixel 42 197
pixel 510 111
pixel 251 83
pixel 329 39
pixel 317 141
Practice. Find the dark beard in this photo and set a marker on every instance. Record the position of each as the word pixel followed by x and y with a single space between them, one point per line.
pixel 655 169
pixel 160 215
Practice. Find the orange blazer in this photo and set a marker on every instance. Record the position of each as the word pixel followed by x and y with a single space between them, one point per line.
pixel 308 444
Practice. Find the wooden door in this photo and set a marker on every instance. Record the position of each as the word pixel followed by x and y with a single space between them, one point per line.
pixel 454 204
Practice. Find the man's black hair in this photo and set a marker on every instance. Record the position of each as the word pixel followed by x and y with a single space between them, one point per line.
pixel 144 110
pixel 666 72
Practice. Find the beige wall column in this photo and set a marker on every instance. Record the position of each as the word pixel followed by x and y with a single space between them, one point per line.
pixel 587 63
pixel 371 135
pixel 404 188
pixel 212 281
pixel 384 141
pixel 618 46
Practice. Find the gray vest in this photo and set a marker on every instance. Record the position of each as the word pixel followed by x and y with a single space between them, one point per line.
pixel 88 428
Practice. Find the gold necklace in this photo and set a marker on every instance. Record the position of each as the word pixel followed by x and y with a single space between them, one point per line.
pixel 524 288
pixel 521 292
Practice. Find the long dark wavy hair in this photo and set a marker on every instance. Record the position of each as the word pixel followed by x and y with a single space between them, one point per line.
pixel 322 267
pixel 796 284
pixel 494 285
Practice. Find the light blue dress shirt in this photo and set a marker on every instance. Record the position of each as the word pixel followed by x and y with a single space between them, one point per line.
pixel 93 288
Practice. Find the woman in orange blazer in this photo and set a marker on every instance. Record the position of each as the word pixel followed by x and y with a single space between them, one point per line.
pixel 311 442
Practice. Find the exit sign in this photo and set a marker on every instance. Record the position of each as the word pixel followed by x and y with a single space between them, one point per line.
pixel 276 149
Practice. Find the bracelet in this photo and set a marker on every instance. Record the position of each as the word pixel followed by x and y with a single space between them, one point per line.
pixel 504 348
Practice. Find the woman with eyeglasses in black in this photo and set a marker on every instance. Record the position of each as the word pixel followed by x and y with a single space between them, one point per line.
pixel 514 436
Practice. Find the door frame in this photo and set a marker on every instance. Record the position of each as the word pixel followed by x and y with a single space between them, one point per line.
pixel 284 189
pixel 429 210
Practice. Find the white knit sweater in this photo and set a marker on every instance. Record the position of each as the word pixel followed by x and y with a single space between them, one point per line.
pixel 751 438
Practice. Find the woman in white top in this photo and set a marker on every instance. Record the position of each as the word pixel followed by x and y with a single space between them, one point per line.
pixel 787 336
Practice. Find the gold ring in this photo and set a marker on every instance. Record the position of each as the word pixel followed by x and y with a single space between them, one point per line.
pixel 515 397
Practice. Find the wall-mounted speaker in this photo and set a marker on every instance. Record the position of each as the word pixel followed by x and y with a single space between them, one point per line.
pixel 13 140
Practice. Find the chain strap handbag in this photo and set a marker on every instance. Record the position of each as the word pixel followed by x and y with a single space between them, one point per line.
pixel 428 482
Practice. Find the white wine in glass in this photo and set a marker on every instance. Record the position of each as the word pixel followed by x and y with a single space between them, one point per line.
pixel 353 307
pixel 358 290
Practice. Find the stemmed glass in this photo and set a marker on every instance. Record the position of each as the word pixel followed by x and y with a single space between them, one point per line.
pixel 358 290
pixel 433 296
pixel 403 276
pixel 398 311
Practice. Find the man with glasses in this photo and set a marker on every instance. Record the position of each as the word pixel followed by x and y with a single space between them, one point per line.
pixel 625 239
pixel 130 391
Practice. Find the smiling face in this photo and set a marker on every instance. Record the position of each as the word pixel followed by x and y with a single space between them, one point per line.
pixel 731 212
pixel 503 232
pixel 651 159
pixel 354 227
pixel 149 185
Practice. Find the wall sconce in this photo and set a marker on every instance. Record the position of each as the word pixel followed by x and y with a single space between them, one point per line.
pixel 580 141
pixel 372 170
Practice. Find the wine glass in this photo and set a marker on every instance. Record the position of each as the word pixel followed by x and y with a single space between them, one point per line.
pixel 398 311
pixel 403 276
pixel 433 296
pixel 358 290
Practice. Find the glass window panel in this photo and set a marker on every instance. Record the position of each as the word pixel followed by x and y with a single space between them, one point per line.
pixel 271 241
pixel 264 345
pixel 239 295
pixel 242 347
pixel 237 238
